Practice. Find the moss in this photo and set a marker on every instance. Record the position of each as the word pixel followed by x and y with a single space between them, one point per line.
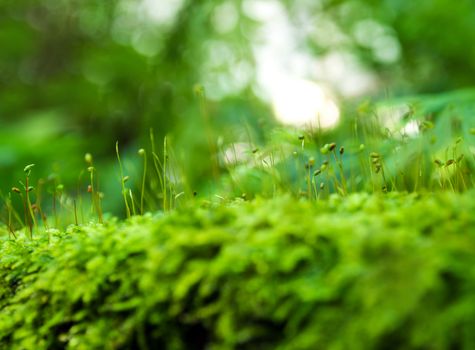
pixel 361 272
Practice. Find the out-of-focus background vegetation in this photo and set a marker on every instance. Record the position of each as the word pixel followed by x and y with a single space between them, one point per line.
pixel 75 76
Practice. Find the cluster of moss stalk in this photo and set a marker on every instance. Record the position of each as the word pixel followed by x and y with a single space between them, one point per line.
pixel 157 191
pixel 33 210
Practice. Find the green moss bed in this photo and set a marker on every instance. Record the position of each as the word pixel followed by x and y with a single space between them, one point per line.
pixel 392 271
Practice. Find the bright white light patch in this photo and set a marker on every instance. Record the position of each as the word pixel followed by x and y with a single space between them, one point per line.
pixel 161 11
pixel 301 102
pixel 411 128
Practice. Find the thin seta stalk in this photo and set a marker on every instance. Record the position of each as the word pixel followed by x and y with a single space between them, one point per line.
pixel 11 230
pixel 339 161
pixel 25 222
pixel 377 162
pixel 161 170
pixel 92 188
pixel 131 195
pixel 165 161
pixel 123 180
pixel 31 220
pixel 157 164
pixel 341 185
pixel 75 213
pixel 143 154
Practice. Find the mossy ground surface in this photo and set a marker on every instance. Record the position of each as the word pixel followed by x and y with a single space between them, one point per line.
pixel 361 272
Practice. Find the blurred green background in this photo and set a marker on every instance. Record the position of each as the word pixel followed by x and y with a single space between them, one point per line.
pixel 77 76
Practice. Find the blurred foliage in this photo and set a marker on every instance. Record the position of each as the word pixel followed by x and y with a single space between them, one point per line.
pixel 414 46
pixel 75 76
pixel 364 272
